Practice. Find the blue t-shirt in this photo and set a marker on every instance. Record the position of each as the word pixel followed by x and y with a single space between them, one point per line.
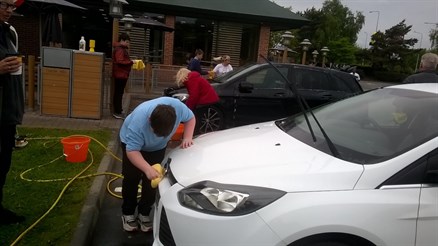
pixel 136 131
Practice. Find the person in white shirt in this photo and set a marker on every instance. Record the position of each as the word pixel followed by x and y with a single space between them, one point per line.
pixel 224 67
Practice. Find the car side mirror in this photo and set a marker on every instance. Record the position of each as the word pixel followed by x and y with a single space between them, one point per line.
pixel 246 87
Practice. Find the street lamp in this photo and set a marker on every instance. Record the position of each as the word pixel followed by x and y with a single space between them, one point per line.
pixel 366 40
pixel 287 36
pixel 418 55
pixel 127 21
pixel 324 51
pixel 378 16
pixel 315 54
pixel 305 43
pixel 116 8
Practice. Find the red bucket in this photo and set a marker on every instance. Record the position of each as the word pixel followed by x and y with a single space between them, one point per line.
pixel 75 148
pixel 178 135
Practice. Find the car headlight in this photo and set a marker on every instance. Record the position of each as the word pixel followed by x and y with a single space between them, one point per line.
pixel 226 199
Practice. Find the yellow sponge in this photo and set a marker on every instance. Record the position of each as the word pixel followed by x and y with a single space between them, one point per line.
pixel 160 170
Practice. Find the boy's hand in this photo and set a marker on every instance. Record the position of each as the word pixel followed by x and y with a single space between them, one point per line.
pixel 186 143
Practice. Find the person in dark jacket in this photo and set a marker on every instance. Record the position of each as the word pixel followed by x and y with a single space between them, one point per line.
pixel 122 65
pixel 195 62
pixel 11 101
pixel 427 71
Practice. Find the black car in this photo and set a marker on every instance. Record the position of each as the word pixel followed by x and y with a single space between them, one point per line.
pixel 257 92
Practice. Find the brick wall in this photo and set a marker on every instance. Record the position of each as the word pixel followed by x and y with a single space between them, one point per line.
pixel 265 32
pixel 169 41
pixel 28 34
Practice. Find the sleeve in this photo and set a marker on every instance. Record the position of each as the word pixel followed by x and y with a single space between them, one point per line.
pixel 191 65
pixel 216 68
pixel 193 90
pixel 121 58
pixel 186 113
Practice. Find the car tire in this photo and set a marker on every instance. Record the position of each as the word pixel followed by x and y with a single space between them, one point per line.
pixel 208 119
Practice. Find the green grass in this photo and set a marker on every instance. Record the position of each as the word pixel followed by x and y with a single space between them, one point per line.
pixel 33 198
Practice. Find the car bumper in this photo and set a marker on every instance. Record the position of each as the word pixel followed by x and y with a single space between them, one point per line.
pixel 177 225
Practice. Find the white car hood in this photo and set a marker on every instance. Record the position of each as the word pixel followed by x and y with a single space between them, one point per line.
pixel 261 155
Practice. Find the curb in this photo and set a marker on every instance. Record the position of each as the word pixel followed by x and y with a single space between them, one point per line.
pixel 84 232
pixel 90 211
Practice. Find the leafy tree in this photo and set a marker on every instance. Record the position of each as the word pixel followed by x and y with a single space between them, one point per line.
pixel 344 51
pixel 433 36
pixel 390 49
pixel 332 25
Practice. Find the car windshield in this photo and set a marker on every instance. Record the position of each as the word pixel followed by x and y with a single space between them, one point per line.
pixel 371 127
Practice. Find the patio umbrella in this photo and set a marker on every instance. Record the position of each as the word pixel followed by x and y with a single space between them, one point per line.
pixel 49 26
pixel 149 24
pixel 41 4
pixel 152 24
pixel 52 32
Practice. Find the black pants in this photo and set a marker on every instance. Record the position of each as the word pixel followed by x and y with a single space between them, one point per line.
pixel 131 178
pixel 119 89
pixel 7 141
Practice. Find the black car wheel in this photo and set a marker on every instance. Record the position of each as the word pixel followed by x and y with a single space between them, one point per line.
pixel 209 119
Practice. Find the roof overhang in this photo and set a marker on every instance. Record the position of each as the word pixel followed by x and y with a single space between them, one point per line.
pixel 254 12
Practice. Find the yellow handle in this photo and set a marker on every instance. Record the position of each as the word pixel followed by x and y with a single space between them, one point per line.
pixel 160 170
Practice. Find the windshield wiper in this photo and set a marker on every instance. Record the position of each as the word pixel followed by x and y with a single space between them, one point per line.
pixel 302 103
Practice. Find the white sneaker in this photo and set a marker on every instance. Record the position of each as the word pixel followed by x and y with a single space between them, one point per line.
pixel 129 223
pixel 145 223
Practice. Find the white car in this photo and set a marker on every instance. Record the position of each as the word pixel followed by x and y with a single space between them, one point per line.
pixel 370 177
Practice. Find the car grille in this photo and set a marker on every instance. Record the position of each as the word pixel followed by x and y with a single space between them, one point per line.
pixel 166 237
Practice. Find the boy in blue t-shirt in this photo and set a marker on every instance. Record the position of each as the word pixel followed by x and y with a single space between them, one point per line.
pixel 144 136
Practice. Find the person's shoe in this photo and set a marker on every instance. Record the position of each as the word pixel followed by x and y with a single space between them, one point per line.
pixel 7 217
pixel 119 116
pixel 145 223
pixel 129 223
pixel 21 143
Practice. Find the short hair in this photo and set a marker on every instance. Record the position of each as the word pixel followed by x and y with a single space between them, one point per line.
pixel 181 76
pixel 199 52
pixel 226 57
pixel 429 61
pixel 163 120
pixel 124 36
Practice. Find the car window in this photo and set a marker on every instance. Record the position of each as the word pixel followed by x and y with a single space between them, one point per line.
pixel 345 82
pixel 421 171
pixel 313 80
pixel 267 78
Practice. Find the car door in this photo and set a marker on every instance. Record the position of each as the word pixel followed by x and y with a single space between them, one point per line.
pixel 261 96
pixel 427 229
pixel 319 86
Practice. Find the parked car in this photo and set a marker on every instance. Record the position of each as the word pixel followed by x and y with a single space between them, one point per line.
pixel 257 93
pixel 366 174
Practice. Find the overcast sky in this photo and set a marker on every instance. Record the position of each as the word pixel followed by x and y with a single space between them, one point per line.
pixel 391 12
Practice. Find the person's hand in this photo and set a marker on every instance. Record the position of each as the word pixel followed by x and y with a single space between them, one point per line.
pixel 151 173
pixel 186 143
pixel 9 65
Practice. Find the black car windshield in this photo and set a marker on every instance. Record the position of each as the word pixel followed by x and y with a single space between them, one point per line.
pixel 371 127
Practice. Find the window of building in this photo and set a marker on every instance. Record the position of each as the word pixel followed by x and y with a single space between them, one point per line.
pixel 192 34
